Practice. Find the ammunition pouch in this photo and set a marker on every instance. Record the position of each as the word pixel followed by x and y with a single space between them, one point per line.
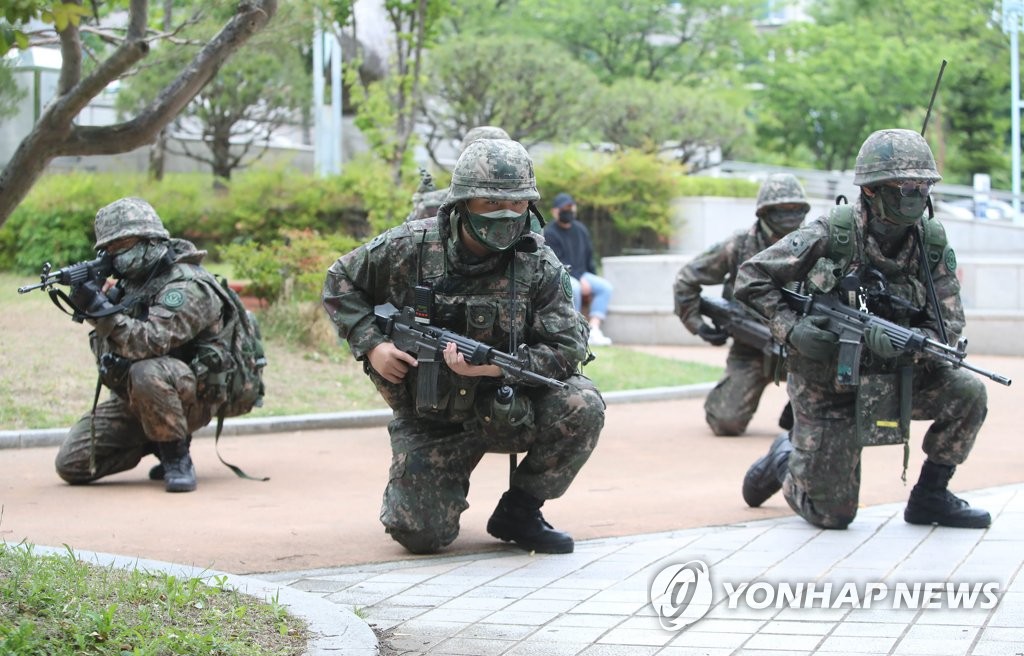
pixel 884 408
pixel 213 368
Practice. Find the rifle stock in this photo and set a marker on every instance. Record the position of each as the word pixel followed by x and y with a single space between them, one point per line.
pixel 851 324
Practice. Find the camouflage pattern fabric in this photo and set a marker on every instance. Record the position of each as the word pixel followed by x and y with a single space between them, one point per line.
pixel 730 406
pixel 428 200
pixel 434 451
pixel 497 169
pixel 894 155
pixel 823 481
pixel 780 189
pixel 164 322
pixel 128 217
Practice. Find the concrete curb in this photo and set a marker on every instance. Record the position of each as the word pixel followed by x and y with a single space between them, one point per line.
pixel 29 438
pixel 335 630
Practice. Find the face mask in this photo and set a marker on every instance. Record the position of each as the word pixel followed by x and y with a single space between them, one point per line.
pixel 566 216
pixel 782 222
pixel 138 260
pixel 899 207
pixel 498 230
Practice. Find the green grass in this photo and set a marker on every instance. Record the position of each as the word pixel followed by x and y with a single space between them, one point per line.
pixel 48 375
pixel 56 605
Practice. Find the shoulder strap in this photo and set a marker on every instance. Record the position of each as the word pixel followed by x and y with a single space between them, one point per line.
pixel 840 234
pixel 934 241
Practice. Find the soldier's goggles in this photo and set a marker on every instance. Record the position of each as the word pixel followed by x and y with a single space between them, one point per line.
pixel 913 188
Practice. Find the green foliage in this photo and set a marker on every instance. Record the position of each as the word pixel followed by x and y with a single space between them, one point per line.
pixel 616 369
pixel 624 198
pixel 54 224
pixel 16 12
pixel 292 267
pixel 530 99
pixel 255 92
pixel 59 606
pixel 693 185
pixel 648 39
pixel 658 116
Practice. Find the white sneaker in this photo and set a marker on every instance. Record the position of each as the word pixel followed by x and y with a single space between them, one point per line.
pixel 598 338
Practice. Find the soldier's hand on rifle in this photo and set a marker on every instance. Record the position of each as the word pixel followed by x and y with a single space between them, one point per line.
pixel 810 338
pixel 712 334
pixel 457 363
pixel 877 340
pixel 390 362
pixel 88 297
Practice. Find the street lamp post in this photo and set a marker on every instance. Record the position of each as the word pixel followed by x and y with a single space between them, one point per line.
pixel 1013 15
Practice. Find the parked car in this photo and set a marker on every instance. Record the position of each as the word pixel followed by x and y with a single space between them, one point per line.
pixel 963 208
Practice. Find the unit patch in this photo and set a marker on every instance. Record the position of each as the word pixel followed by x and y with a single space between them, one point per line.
pixel 566 285
pixel 949 257
pixel 172 299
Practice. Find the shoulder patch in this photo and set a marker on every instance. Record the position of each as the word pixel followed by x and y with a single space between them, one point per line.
pixel 949 258
pixel 797 244
pixel 566 284
pixel 172 299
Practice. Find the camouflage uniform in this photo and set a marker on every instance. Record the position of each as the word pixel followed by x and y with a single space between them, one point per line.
pixel 155 399
pixel 434 451
pixel 730 406
pixel 823 479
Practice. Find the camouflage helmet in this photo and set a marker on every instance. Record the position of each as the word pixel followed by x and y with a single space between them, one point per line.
pixel 128 217
pixel 482 132
pixel 894 155
pixel 781 189
pixel 498 169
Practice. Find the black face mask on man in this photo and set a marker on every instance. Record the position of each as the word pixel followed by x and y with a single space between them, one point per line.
pixel 566 216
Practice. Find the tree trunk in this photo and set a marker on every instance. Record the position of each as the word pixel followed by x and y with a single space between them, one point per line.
pixel 55 134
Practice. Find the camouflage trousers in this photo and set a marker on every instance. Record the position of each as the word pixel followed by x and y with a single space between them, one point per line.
pixel 432 461
pixel 160 406
pixel 823 482
pixel 729 407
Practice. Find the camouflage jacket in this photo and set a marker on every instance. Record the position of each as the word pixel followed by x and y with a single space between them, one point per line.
pixel 168 315
pixel 472 297
pixel 803 256
pixel 715 266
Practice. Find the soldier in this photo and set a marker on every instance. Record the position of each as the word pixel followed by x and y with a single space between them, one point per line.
pixel 428 198
pixel 781 208
pixel 147 330
pixel 491 279
pixel 882 237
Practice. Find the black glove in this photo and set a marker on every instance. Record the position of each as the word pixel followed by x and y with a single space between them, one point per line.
pixel 712 334
pixel 878 342
pixel 88 297
pixel 811 340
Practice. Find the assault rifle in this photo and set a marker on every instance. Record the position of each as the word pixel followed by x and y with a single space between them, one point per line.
pixel 72 276
pixel 851 324
pixel 732 318
pixel 427 343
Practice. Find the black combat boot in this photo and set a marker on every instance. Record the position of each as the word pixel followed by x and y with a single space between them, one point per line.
pixel 179 474
pixel 517 519
pixel 786 418
pixel 156 472
pixel 765 476
pixel 931 502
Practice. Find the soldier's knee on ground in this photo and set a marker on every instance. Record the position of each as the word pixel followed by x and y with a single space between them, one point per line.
pixel 726 427
pixel 420 542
